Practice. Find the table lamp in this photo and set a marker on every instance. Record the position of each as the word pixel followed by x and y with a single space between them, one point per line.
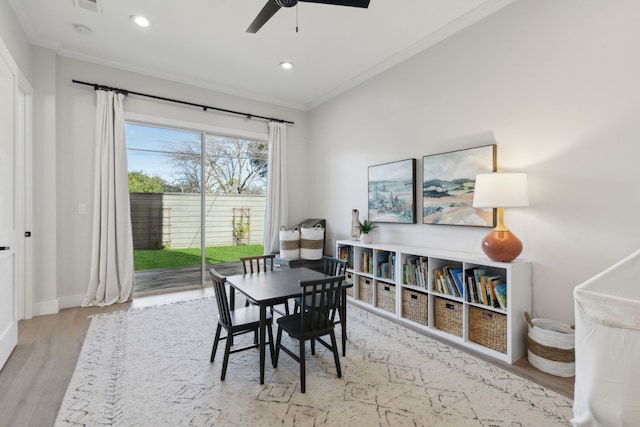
pixel 501 190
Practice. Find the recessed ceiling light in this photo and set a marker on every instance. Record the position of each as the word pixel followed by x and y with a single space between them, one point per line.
pixel 140 20
pixel 84 30
pixel 286 65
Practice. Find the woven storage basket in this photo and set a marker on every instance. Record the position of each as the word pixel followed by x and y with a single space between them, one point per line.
pixel 415 306
pixel 386 296
pixel 311 242
pixel 448 316
pixel 289 243
pixel 348 277
pixel 488 328
pixel 551 346
pixel 365 289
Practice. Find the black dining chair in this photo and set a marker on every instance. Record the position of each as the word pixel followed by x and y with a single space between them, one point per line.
pixel 332 267
pixel 313 323
pixel 235 322
pixel 261 264
pixel 258 263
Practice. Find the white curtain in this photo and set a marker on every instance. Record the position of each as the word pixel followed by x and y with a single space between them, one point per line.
pixel 112 274
pixel 277 208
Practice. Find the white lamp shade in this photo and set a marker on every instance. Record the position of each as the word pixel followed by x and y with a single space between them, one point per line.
pixel 501 190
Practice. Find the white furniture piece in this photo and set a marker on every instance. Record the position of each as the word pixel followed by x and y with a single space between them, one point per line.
pixel 607 309
pixel 381 286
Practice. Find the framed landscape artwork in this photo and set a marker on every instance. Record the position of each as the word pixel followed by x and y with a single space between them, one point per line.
pixel 448 186
pixel 392 192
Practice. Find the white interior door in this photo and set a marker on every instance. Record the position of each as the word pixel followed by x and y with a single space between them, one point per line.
pixel 8 233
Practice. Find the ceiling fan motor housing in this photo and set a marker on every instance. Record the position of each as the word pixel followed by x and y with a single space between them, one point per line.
pixel 286 3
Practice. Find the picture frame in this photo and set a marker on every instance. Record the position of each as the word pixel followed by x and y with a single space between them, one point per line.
pixel 448 183
pixel 392 192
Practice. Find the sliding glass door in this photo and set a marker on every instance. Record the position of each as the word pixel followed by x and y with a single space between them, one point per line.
pixel 197 199
pixel 165 206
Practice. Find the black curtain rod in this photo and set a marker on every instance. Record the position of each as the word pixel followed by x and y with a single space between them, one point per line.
pixel 97 86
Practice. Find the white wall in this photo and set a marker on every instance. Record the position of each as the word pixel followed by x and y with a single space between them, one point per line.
pixel 14 37
pixel 75 108
pixel 45 230
pixel 555 85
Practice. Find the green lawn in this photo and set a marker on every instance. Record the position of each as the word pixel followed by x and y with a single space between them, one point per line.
pixel 168 258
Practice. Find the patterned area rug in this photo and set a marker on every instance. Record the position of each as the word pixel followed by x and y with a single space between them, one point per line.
pixel 150 367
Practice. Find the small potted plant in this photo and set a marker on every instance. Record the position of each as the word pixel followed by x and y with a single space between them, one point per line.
pixel 366 227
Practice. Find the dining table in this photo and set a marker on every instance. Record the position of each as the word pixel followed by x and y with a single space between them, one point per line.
pixel 266 289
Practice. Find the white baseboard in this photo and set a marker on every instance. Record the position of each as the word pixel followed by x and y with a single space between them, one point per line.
pixel 46 307
pixel 71 300
pixel 54 306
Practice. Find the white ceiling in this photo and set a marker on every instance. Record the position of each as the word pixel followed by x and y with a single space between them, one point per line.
pixel 204 43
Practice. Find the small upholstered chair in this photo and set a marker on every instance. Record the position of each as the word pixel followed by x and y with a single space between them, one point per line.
pixel 314 322
pixel 235 322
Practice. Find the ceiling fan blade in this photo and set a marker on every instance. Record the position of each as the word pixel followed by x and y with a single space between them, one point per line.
pixel 351 3
pixel 265 14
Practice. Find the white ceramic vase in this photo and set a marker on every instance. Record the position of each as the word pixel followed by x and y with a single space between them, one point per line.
pixel 366 238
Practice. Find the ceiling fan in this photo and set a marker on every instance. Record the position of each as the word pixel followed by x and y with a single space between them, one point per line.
pixel 273 6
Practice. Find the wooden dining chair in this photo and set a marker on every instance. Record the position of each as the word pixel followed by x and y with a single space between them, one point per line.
pixel 258 263
pixel 262 264
pixel 235 322
pixel 332 267
pixel 313 323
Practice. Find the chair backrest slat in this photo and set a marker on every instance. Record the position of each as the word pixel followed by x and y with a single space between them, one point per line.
pixel 257 264
pixel 334 266
pixel 219 286
pixel 324 295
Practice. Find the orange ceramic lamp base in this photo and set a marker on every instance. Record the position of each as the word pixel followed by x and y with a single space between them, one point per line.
pixel 501 244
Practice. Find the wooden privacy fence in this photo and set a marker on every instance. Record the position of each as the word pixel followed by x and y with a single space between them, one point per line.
pixel 173 220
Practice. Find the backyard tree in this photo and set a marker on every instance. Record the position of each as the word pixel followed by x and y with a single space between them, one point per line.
pixel 139 182
pixel 232 166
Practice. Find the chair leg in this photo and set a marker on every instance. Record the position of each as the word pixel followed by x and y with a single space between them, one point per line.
pixel 271 350
pixel 277 349
pixel 336 356
pixel 313 346
pixel 215 343
pixel 303 368
pixel 227 350
pixel 343 324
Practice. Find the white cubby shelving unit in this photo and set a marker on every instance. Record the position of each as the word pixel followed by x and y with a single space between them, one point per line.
pixel 382 285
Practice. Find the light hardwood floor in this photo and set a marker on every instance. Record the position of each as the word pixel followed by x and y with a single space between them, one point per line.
pixel 34 380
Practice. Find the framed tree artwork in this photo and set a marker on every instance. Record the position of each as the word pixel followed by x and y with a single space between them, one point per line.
pixel 392 192
pixel 448 183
